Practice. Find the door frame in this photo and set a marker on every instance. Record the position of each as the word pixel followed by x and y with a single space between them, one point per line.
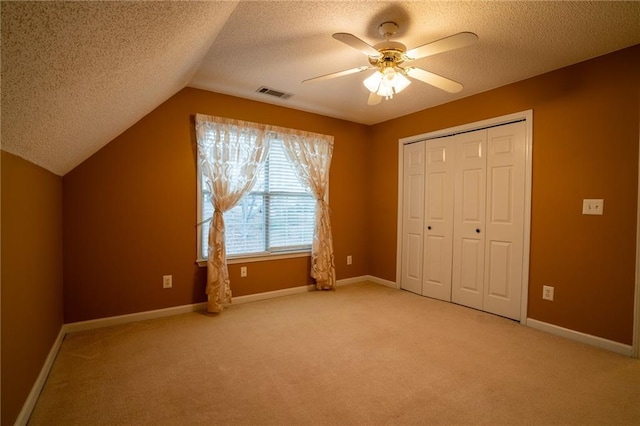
pixel 527 116
pixel 635 346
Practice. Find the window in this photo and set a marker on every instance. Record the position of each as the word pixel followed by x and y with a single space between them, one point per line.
pixel 276 217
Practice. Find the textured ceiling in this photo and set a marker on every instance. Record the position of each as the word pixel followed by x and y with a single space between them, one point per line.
pixel 77 74
pixel 278 45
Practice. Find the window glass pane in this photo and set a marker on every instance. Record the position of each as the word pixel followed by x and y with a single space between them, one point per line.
pixel 291 221
pixel 282 176
pixel 245 226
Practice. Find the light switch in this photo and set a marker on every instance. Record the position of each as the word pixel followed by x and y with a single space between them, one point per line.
pixel 593 206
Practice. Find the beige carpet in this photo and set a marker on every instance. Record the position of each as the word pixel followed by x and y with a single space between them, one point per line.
pixel 362 355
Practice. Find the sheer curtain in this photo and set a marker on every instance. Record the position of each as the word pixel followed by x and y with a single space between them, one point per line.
pixel 310 154
pixel 230 153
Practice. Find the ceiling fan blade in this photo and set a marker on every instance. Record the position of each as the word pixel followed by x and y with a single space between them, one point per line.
pixel 434 80
pixel 374 98
pixel 448 43
pixel 337 74
pixel 356 43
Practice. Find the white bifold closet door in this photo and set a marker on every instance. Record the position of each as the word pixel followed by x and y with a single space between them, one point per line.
pixel 469 219
pixel 438 219
pixel 504 222
pixel 413 217
pixel 465 244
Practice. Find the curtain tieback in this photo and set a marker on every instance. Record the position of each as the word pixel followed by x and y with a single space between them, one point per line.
pixel 204 221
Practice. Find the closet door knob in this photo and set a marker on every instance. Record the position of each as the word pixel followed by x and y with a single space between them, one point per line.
pixel 429 227
pixel 477 230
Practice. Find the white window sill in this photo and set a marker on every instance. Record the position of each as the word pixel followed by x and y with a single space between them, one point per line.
pixel 260 257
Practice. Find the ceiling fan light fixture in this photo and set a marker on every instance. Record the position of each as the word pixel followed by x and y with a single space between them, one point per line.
pixel 373 81
pixel 398 83
pixel 388 77
pixel 385 91
pixel 386 83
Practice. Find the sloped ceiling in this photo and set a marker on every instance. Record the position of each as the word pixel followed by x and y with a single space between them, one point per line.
pixel 77 74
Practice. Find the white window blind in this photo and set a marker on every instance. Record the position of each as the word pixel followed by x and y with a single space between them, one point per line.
pixel 277 216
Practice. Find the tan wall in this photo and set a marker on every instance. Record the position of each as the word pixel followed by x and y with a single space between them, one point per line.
pixel 31 276
pixel 130 211
pixel 585 145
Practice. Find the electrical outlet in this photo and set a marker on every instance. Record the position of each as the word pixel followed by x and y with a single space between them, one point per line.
pixel 167 281
pixel 595 207
pixel 349 260
pixel 243 271
pixel 547 292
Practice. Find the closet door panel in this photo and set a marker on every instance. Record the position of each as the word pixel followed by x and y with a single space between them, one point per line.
pixel 469 219
pixel 434 273
pixel 505 219
pixel 438 219
pixel 413 217
pixel 471 264
pixel 498 269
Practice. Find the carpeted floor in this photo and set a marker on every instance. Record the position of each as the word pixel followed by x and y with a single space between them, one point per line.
pixel 362 355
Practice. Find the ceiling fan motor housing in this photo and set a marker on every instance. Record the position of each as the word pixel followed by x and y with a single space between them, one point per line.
pixel 392 54
pixel 392 51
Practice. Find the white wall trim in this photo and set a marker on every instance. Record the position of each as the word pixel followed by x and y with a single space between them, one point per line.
pixel 589 339
pixel 352 280
pixel 636 304
pixel 503 119
pixel 32 398
pixel 369 278
pixel 528 190
pixel 400 221
pixel 304 289
pixel 381 281
pixel 74 327
pixel 272 294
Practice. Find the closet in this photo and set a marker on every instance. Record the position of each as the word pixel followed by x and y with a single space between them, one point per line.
pixel 463 218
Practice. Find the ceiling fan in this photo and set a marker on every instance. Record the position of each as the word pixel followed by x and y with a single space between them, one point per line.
pixel 388 57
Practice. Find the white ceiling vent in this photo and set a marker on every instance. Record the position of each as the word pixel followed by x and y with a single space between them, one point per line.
pixel 272 92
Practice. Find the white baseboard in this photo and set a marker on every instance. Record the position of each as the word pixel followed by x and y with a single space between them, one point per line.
pixel 307 288
pixel 272 294
pixel 138 316
pixel 352 280
pixel 609 345
pixel 369 278
pixel 32 398
pixel 381 281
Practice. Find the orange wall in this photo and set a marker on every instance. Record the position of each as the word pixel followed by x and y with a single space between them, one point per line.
pixel 585 145
pixel 130 211
pixel 31 276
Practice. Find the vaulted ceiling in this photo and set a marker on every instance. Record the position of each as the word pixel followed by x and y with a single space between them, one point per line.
pixel 77 74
